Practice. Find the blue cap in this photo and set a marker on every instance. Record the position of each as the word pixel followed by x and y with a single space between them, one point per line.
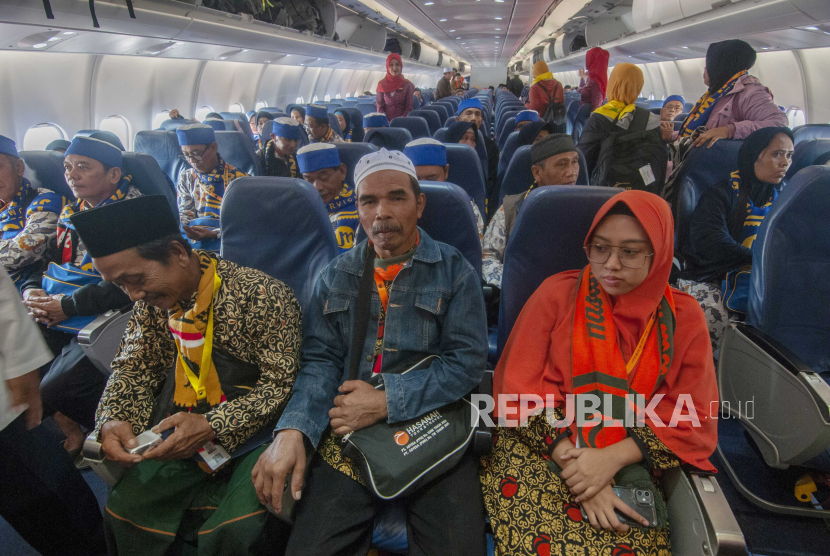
pixel 317 112
pixel 375 119
pixel 215 123
pixel 527 116
pixel 195 134
pixel 426 152
pixel 287 128
pixel 678 98
pixel 103 152
pixel 317 156
pixel 470 103
pixel 7 146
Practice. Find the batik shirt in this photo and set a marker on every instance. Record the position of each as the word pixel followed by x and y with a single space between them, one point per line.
pixel 330 137
pixel 492 249
pixel 200 195
pixel 257 320
pixel 344 219
pixel 28 226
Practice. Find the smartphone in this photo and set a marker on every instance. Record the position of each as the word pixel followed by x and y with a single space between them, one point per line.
pixel 146 440
pixel 639 500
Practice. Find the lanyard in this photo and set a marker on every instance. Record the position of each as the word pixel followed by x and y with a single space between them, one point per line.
pixel 384 295
pixel 635 357
pixel 198 383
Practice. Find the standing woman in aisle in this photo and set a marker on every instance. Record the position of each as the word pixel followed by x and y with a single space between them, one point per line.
pixel 544 88
pixel 395 92
pixel 593 92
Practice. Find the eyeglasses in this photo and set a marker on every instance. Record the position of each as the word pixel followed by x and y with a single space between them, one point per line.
pixel 194 157
pixel 629 258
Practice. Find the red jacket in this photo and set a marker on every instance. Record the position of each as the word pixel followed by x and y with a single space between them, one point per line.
pixel 541 93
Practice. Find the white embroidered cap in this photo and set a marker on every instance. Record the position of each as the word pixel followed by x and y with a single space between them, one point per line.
pixel 383 160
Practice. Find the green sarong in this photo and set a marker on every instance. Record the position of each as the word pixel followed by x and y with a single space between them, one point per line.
pixel 161 503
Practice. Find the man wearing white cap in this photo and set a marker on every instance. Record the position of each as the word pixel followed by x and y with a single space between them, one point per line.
pixel 435 306
pixel 443 89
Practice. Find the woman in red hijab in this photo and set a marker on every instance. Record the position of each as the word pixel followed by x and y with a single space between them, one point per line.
pixel 395 92
pixel 612 328
pixel 593 93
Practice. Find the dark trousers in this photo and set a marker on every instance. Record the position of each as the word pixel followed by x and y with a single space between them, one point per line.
pixel 72 385
pixel 44 497
pixel 336 514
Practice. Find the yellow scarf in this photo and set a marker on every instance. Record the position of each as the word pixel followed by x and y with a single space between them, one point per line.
pixel 542 77
pixel 196 377
pixel 614 108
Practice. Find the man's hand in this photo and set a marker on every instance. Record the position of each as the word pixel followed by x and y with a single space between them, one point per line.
pixel 600 511
pixel 192 432
pixel 34 293
pixel 198 233
pixel 25 391
pixel 116 438
pixel 286 455
pixel 581 72
pixel 46 310
pixel 359 406
pixel 712 135
pixel 666 130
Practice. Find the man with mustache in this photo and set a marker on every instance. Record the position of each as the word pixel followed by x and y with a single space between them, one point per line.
pixel 426 299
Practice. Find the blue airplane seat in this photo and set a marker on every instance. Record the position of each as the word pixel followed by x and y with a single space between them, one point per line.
pixel 658 104
pixel 349 103
pixel 807 153
pixel 581 119
pixel 509 127
pixel 417 127
pixel 507 152
pixel 219 125
pixel 365 107
pixel 481 150
pixel 689 107
pixel 519 176
pixel 335 124
pixel 236 121
pixel 238 151
pixel 356 119
pixel 164 147
pixel 530 257
pixel 272 109
pixel 416 104
pixel 390 138
pixel 462 160
pixel 450 120
pixel 643 104
pixel 148 177
pixel 681 117
pixel 573 108
pixel 349 154
pixel 101 135
pixel 811 131
pixel 278 226
pixel 44 169
pixel 505 117
pixel 432 118
pixel 172 125
pixel 439 109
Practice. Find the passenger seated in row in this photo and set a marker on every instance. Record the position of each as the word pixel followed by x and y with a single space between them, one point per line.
pixel 279 158
pixel 533 132
pixel 298 113
pixel 262 117
pixel 28 217
pixel 555 162
pixel 719 253
pixel 252 122
pixel 423 285
pixel 430 159
pixel 58 145
pixel 214 116
pixel 673 106
pixel 471 110
pixel 317 125
pixel 610 329
pixel 345 121
pixel 374 121
pixel 321 167
pixel 210 355
pixel 201 188
pixel 525 117
pixel 71 292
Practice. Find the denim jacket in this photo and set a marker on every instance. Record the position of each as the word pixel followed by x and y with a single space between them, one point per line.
pixel 435 306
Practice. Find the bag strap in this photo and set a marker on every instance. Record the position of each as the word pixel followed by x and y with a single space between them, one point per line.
pixel 361 318
pixel 743 198
pixel 640 121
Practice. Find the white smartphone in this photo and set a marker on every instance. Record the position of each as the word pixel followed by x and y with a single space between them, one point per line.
pixel 146 440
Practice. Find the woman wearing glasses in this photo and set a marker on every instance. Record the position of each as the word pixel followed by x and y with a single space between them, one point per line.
pixel 595 338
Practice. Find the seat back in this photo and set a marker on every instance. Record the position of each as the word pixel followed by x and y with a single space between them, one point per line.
pixel 278 226
pixel 432 119
pixel 172 125
pixel 271 110
pixel 356 119
pixel 148 177
pixel 391 138
pixel 417 127
pixel 238 151
pixel 349 103
pixel 703 168
pixel 365 108
pixel 239 123
pixel 530 257
pixel 481 150
pixel 506 115
pixel 519 176
pixel 101 135
pixel 508 128
pixel 681 117
pixel 807 153
pixel 810 131
pixel 655 105
pixel 163 146
pixel 335 124
pixel 790 257
pixel 441 111
pixel 510 146
pixel 450 120
pixel 44 169
pixel 582 116
pixel 349 154
pixel 466 172
pixel 573 108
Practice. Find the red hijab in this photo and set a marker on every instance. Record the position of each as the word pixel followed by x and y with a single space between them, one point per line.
pixel 597 62
pixel 538 356
pixel 390 83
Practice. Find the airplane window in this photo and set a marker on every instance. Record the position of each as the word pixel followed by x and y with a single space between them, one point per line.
pixel 314 99
pixel 299 100
pixel 337 95
pixel 236 107
pixel 120 127
pixel 37 137
pixel 327 98
pixel 796 116
pixel 202 112
pixel 159 118
pixel 260 105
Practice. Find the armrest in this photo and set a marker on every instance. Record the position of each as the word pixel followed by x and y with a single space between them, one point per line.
pixel 101 338
pixel 109 471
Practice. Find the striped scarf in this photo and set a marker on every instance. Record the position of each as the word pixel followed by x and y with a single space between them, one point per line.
pixel 214 184
pixel 26 202
pixel 754 214
pixel 700 113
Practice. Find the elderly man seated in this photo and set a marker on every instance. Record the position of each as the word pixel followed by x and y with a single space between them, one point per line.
pixel 430 159
pixel 672 107
pixel 321 167
pixel 555 161
pixel 420 285
pixel 374 121
pixel 201 188
pixel 28 217
pixel 317 125
pixel 278 157
pixel 207 362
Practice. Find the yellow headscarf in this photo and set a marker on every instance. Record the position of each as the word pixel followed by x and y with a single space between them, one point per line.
pixel 624 86
pixel 541 72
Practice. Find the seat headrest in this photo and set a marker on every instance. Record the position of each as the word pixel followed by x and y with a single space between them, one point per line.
pixel 148 177
pixel 417 127
pixel 518 177
pixel 349 154
pixel 391 138
pixel 433 121
pixel 790 257
pixel 172 125
pixel 365 108
pixel 279 226
pixel 237 121
pixel 335 124
pixel 44 169
pixel 164 147
pixel 807 153
pixel 563 212
pixel 466 172
pixel 238 151
pixel 356 119
pixel 811 131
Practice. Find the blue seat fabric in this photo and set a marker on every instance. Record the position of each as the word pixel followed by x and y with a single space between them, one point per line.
pixel 238 151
